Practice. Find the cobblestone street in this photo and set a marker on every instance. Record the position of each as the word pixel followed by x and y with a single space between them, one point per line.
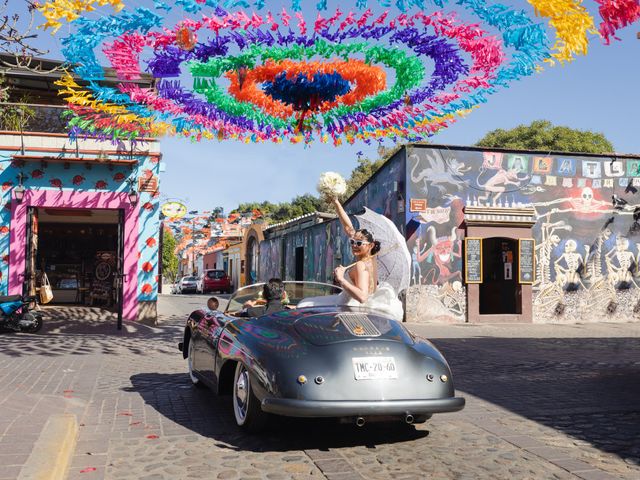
pixel 543 402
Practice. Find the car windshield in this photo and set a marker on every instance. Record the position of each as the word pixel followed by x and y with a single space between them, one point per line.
pixel 215 274
pixel 189 279
pixel 296 291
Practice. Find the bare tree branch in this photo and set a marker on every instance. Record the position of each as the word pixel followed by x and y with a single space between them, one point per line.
pixel 16 41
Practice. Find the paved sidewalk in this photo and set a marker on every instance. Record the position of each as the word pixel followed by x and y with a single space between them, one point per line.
pixel 542 402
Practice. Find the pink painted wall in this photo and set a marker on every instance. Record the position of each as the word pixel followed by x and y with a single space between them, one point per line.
pixel 81 200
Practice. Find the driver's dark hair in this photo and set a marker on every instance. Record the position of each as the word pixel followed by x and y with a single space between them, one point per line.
pixel 369 236
pixel 273 289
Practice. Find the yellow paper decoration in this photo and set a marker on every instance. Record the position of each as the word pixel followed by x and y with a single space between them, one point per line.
pixel 70 10
pixel 74 94
pixel 572 23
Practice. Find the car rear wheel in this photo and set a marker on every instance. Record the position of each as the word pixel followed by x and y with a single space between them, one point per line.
pixel 246 407
pixel 192 376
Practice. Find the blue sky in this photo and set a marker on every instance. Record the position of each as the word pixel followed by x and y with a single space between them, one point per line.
pixel 597 92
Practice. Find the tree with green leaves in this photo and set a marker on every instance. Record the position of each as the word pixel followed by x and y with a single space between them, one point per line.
pixel 281 212
pixel 363 172
pixel 169 257
pixel 542 135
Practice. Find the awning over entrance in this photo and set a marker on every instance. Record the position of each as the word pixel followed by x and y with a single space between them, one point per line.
pixel 500 216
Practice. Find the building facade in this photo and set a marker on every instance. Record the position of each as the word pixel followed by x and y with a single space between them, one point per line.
pixel 81 212
pixel 495 235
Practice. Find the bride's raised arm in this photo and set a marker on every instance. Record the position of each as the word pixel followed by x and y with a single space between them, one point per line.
pixel 344 218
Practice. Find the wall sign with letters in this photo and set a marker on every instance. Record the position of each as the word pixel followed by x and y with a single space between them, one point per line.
pixel 473 260
pixel 527 260
pixel 148 184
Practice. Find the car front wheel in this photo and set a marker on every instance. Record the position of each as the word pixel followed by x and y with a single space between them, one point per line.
pixel 246 407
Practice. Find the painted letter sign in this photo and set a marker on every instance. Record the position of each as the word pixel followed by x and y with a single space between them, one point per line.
pixel 473 260
pixel 526 262
pixel 148 184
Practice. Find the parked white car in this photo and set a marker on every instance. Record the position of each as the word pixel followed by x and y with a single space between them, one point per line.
pixel 187 284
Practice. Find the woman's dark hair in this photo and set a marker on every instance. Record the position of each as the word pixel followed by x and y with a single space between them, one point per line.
pixel 367 234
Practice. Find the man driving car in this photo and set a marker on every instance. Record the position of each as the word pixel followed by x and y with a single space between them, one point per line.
pixel 273 294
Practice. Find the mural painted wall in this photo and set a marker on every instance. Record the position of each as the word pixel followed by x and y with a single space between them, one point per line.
pixel 385 192
pixel 269 259
pixel 587 250
pixel 324 247
pixel 61 177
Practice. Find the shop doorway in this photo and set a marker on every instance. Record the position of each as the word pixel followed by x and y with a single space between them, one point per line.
pixel 81 253
pixel 299 274
pixel 500 291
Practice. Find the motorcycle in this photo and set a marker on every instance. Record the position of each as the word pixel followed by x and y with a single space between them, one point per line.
pixel 16 315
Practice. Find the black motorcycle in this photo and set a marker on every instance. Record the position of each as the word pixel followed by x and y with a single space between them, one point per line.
pixel 16 315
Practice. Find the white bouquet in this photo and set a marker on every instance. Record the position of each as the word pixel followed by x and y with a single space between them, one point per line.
pixel 332 185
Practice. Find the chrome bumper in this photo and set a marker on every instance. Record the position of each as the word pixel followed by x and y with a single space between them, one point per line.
pixel 315 408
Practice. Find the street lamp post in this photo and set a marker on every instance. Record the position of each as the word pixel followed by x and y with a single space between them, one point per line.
pixel 193 245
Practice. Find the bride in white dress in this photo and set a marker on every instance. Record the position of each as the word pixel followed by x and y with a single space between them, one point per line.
pixel 359 281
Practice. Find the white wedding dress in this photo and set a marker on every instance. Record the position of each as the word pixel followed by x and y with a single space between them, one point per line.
pixel 384 300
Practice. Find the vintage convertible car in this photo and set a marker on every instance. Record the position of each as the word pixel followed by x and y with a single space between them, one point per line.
pixel 350 363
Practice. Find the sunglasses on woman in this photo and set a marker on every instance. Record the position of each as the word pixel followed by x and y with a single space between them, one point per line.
pixel 358 243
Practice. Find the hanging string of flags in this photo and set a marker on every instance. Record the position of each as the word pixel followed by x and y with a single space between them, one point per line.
pixel 261 77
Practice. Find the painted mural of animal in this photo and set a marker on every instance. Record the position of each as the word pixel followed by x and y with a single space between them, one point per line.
pixel 498 183
pixel 443 251
pixel 438 173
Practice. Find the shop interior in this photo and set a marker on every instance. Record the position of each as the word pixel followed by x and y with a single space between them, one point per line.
pixel 76 249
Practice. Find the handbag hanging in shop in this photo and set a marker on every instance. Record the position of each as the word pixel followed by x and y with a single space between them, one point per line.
pixel 46 294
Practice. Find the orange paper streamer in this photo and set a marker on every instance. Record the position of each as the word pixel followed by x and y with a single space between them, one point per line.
pixel 365 79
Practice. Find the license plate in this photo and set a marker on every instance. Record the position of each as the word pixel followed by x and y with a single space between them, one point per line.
pixel 374 368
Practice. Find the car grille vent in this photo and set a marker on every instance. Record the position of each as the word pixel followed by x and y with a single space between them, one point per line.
pixel 359 324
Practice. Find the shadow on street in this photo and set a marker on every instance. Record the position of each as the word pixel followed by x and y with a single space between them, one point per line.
pixel 587 388
pixel 201 411
pixel 86 331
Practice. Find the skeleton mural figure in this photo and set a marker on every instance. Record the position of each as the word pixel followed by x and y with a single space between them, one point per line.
pixel 594 256
pixel 498 184
pixel 621 274
pixel 451 295
pixel 585 203
pixel 442 251
pixel 545 247
pixel 569 277
pixel 438 173
pixel 550 294
pixel 601 291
